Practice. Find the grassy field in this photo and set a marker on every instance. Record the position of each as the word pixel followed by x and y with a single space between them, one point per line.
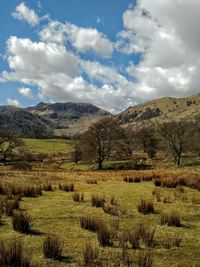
pixel 49 146
pixel 55 212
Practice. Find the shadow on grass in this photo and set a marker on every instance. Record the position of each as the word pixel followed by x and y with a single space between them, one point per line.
pixel 35 232
pixel 65 259
pixel 191 164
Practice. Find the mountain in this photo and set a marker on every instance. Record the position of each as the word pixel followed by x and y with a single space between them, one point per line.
pixel 23 123
pixel 44 120
pixel 162 109
pixel 69 118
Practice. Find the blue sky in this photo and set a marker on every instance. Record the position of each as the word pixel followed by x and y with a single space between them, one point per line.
pixel 112 53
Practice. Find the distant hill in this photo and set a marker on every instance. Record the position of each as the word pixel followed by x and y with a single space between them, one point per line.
pixel 23 123
pixel 45 120
pixel 69 118
pixel 162 109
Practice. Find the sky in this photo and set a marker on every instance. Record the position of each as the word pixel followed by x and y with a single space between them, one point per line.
pixel 110 53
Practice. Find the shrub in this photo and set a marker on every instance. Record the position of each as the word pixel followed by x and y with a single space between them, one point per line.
pixel 171 218
pixel 157 183
pixel 137 180
pixel 148 236
pixel 114 210
pixel 144 259
pixel 104 236
pixel 11 205
pixel 145 206
pixel 169 183
pixel 98 201
pixel 22 222
pixel 183 181
pixel 52 247
pixel 14 255
pixel 31 191
pixel 167 199
pixel 78 197
pixel 157 194
pixel 90 224
pixel 114 229
pixel 128 179
pixel 171 240
pixel 67 187
pixel 147 178
pixel 142 233
pixel 124 238
pixel 91 181
pixel 167 241
pixel 120 258
pixel 177 240
pixel 48 187
pixel 113 201
pixel 22 166
pixel 90 255
pixel 135 237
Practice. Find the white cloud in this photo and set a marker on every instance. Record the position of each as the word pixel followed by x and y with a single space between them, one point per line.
pixel 13 102
pixel 24 13
pixel 36 59
pixel 82 39
pixel 26 92
pixel 166 34
pixel 59 75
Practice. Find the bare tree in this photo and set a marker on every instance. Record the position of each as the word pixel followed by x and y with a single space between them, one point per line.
pixel 129 140
pixel 9 145
pixel 175 136
pixel 193 141
pixel 147 140
pixel 101 140
pixel 76 153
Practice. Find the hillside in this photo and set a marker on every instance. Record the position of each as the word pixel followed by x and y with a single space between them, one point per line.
pixel 45 120
pixel 69 118
pixel 23 123
pixel 166 108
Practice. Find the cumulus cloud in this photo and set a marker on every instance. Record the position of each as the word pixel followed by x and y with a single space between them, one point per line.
pixel 82 39
pixel 13 102
pixel 33 59
pixel 59 75
pixel 24 13
pixel 26 92
pixel 165 33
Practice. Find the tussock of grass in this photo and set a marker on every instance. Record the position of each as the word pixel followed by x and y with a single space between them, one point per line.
pixel 77 197
pixel 52 247
pixel 171 218
pixel 90 255
pixel 13 254
pixel 22 222
pixel 145 259
pixel 98 201
pixel 145 206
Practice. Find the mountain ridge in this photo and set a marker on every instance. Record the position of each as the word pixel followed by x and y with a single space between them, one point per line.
pixel 52 119
pixel 70 118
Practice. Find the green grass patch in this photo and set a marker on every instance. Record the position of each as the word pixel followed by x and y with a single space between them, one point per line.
pixel 49 146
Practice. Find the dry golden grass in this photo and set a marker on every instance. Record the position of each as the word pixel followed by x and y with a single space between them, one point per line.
pixel 55 212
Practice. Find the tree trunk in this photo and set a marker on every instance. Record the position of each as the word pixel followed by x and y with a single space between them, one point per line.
pixel 100 167
pixel 178 160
